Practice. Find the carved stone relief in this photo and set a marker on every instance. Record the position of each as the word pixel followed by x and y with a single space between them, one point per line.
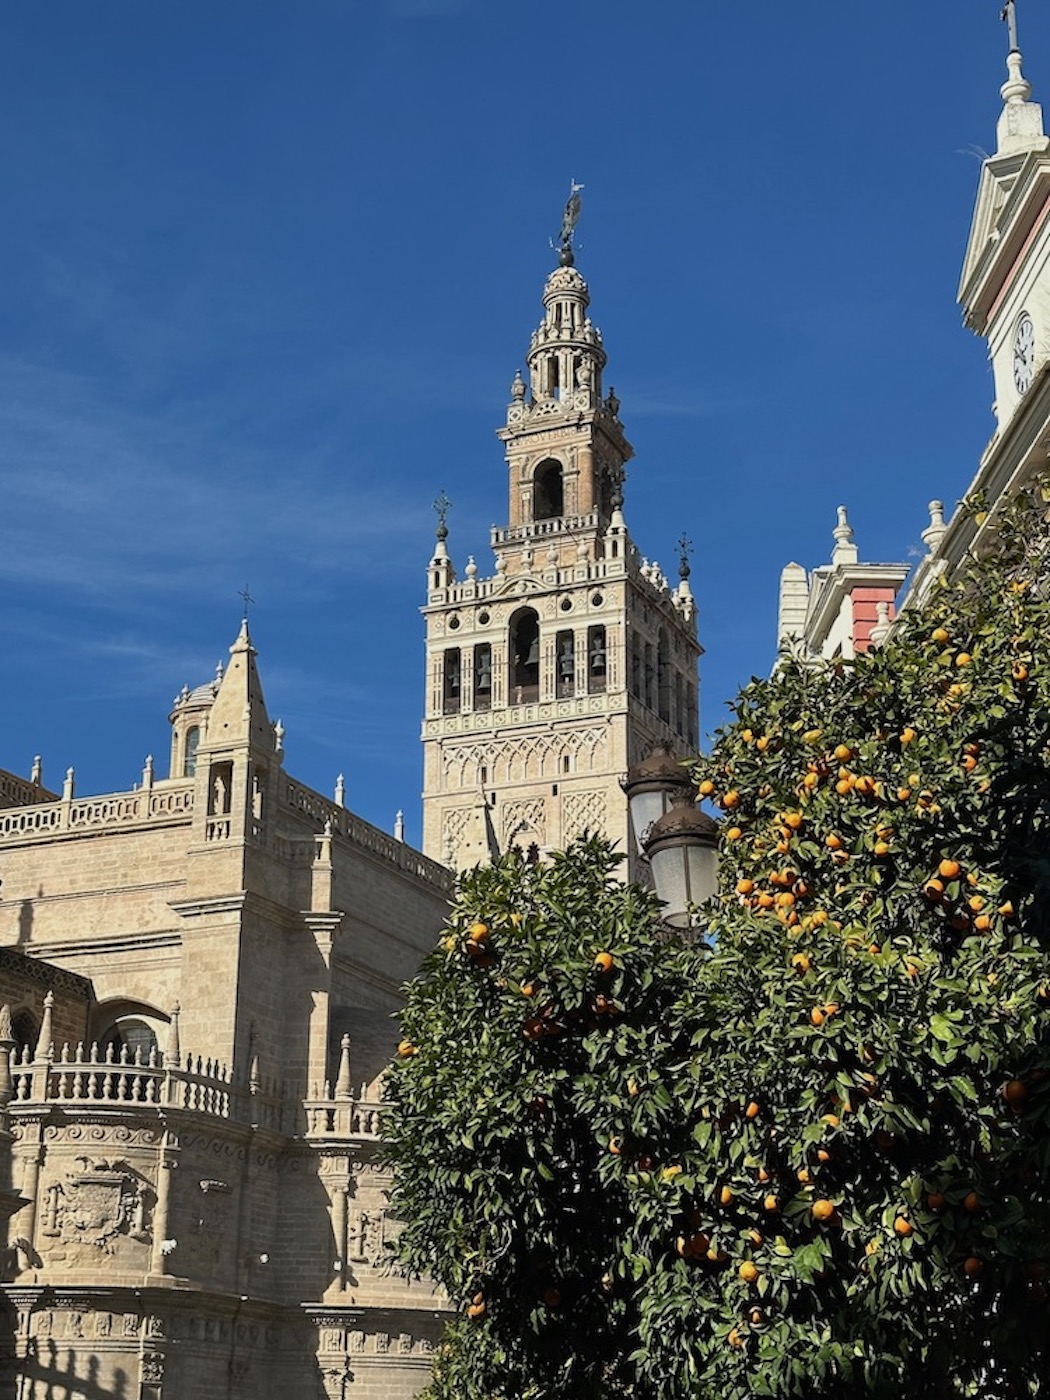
pixel 100 1205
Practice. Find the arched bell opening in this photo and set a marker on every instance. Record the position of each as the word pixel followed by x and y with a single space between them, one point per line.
pixel 524 654
pixel 548 493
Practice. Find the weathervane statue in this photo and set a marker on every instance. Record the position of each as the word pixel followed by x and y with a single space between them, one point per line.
pixel 569 221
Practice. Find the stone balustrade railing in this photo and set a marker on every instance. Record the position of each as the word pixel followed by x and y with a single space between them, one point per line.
pixel 365 836
pixel 119 809
pixel 102 1077
pixel 329 1119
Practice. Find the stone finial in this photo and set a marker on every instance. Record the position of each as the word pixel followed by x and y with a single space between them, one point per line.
pixel 399 826
pixel 44 1039
pixel 278 737
pixel 6 1033
pixel 340 791
pixel 471 570
pixel 883 626
pixel 845 551
pixel 147 772
pixel 254 1076
pixel 517 389
pixel 343 1088
pixel 173 1053
pixel 69 787
pixel 935 531
pixel 37 775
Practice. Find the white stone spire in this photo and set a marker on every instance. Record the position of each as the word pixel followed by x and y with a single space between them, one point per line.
pixel 845 551
pixel 1021 124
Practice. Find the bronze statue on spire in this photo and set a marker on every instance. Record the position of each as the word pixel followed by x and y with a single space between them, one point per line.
pixel 569 220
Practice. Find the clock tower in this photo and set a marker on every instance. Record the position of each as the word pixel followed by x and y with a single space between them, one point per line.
pixel 552 676
pixel 1005 297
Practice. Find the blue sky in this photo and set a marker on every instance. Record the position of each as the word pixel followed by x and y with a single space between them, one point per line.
pixel 269 269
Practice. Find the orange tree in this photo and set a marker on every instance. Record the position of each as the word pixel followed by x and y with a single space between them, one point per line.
pixel 812 1159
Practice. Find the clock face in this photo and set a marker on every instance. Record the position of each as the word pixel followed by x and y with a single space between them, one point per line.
pixel 1024 354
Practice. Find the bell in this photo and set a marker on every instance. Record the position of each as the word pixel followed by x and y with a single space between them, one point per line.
pixel 597 657
pixel 533 658
pixel 566 662
pixel 484 681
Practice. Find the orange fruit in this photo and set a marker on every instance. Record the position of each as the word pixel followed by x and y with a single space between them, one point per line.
pixel 615 1146
pixel 528 989
pixel 822 1210
pixel 801 962
pixel 755 1236
pixel 903 1226
pixel 963 659
pixel 831 1119
pixel 731 800
pixel 982 923
pixel 735 1339
pixel 405 1049
pixel 706 788
pixel 973 1266
pixel 972 1203
pixel 793 820
pixel 725 1196
pixel 771 1204
pixel 817 1016
pixel 940 636
pixel 949 869
pixel 1015 1092
pixel 752 1110
pixel 734 833
pixel 478 932
pixel 1019 671
pixel 748 1271
pixel 933 890
pixel 882 848
pixel 907 735
pixel 903 793
pixel 476 1311
pixel 936 1201
pixel 843 753
pixel 604 962
pixel 833 842
pixel 1006 909
pixel 552 1298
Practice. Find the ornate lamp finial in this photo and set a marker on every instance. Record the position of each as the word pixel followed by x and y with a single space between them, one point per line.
pixel 441 505
pixel 569 220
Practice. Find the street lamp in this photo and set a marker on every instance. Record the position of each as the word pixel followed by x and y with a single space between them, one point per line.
pixel 682 851
pixel 678 841
pixel 653 787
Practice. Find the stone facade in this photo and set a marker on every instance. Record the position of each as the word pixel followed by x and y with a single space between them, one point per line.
pixel 196 986
pixel 549 679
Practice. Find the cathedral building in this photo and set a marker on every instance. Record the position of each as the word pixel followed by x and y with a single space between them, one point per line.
pixel 197 981
pixel 550 678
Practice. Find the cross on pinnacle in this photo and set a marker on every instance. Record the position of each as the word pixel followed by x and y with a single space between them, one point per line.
pixel 247 599
pixel 441 505
pixel 1009 17
pixel 685 548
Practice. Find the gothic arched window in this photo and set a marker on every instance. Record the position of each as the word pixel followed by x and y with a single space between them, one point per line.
pixel 548 494
pixel 483 676
pixel 135 1036
pixel 565 660
pixel 524 657
pixel 597 660
pixel 663 677
pixel 452 681
pixel 189 759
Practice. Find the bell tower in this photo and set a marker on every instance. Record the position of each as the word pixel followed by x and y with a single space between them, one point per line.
pixel 547 680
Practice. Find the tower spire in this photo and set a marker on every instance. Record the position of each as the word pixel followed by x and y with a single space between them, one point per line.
pixel 1009 18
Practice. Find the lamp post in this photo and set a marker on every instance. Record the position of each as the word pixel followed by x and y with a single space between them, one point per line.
pixel 682 851
pixel 679 842
pixel 653 787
